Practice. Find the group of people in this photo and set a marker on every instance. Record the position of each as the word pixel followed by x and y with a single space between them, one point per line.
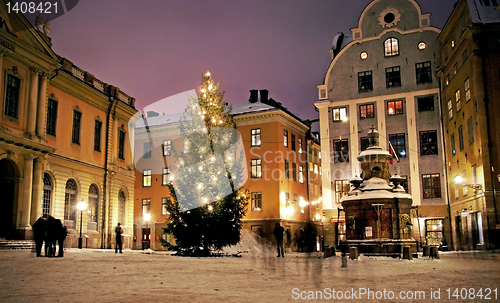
pixel 52 231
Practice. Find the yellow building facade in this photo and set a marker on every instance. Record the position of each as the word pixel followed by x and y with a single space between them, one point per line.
pixel 63 139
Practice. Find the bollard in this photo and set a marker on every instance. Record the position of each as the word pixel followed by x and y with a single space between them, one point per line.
pixel 425 252
pixel 434 253
pixel 344 261
pixel 353 253
pixel 406 253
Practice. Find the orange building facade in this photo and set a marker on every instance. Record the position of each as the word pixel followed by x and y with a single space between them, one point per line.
pixel 63 140
pixel 276 152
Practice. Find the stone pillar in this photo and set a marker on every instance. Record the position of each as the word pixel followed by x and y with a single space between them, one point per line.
pixel 37 198
pixel 32 108
pixel 42 100
pixel 25 203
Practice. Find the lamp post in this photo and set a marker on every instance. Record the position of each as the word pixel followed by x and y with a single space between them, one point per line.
pixel 82 205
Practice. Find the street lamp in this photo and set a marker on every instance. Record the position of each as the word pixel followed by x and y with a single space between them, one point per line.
pixel 82 205
pixel 460 180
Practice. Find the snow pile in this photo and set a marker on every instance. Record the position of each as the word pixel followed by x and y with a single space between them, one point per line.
pixel 250 243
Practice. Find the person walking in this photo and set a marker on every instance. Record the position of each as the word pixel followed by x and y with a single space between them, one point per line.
pixel 278 234
pixel 119 232
pixel 39 230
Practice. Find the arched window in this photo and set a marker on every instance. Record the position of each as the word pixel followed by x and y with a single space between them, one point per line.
pixel 70 204
pixel 47 195
pixel 121 207
pixel 391 47
pixel 93 207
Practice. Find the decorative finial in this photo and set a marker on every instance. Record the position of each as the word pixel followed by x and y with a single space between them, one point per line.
pixel 39 23
pixel 373 137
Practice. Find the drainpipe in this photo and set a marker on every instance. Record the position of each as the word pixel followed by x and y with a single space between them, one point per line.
pixel 105 203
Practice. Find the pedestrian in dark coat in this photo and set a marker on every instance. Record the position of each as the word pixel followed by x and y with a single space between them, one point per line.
pixel 61 235
pixel 39 229
pixel 51 238
pixel 119 232
pixel 278 234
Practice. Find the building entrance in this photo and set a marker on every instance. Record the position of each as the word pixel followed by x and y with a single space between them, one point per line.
pixel 146 238
pixel 8 176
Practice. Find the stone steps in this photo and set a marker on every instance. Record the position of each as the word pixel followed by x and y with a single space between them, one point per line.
pixel 16 244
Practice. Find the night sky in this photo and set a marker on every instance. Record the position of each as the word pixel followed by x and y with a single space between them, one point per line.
pixel 153 49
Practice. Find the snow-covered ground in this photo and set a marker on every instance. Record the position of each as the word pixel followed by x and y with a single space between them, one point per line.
pixel 257 276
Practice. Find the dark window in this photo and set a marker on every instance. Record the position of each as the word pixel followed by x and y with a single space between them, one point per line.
pixel 341 150
pixel 70 202
pixel 423 72
pixel 256 168
pixel 398 143
pixel 445 51
pixel 428 142
pixel 461 138
pixel 431 185
pixel 77 119
pixel 452 142
pixel 51 117
pixel 367 111
pixel 147 150
pixel 256 137
pixel 167 147
pixel 342 188
pixel 365 81
pixel 121 144
pixel 462 23
pixel 393 76
pixel 391 47
pixel 256 200
pixel 395 107
pixel 464 56
pixel 470 130
pixel 285 138
pixel 12 96
pixel 287 169
pixel 364 143
pixel 293 141
pixel 97 135
pixel 121 210
pixel 425 103
pixel 294 171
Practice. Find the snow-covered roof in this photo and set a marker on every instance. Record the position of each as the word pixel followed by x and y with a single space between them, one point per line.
pixel 159 120
pixel 247 107
pixel 483 12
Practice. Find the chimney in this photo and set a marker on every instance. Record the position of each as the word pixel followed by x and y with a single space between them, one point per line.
pixel 264 95
pixel 254 96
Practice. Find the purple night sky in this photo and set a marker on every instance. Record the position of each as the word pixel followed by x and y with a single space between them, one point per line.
pixel 154 49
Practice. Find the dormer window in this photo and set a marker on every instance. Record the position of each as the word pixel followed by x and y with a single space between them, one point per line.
pixel 391 47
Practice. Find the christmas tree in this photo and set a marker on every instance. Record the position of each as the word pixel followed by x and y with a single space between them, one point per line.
pixel 207 174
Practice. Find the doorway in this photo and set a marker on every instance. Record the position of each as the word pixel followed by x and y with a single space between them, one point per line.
pixel 8 187
pixel 146 238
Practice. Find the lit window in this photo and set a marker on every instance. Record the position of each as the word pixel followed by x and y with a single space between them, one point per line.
pixel 453 37
pixel 395 107
pixel 367 111
pixel 146 178
pixel 256 199
pixel 300 145
pixel 339 114
pixel 167 147
pixel 301 174
pixel 342 188
pixel 285 138
pixel 391 47
pixel 315 168
pixel 467 90
pixel 256 168
pixel 450 109
pixel 457 98
pixel 164 203
pixel 256 137
pixel 146 206
pixel 164 176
